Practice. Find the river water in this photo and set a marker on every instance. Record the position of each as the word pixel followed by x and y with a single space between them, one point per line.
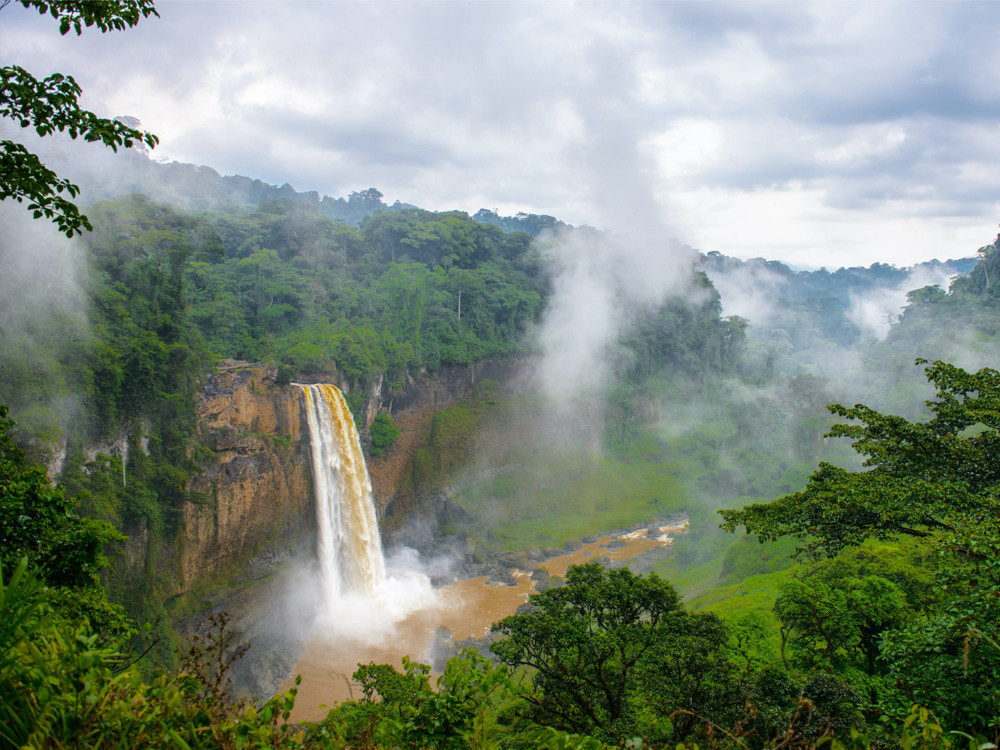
pixel 467 608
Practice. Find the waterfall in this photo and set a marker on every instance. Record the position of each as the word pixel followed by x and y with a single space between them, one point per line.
pixel 349 547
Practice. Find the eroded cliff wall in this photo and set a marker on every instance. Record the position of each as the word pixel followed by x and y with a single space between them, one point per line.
pixel 256 499
pixel 246 544
pixel 413 409
pixel 256 485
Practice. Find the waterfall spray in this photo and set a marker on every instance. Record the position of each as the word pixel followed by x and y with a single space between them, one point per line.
pixel 349 546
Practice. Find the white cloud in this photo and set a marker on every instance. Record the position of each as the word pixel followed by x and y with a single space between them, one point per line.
pixel 863 144
pixel 816 133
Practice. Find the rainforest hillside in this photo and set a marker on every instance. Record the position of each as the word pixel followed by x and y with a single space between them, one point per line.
pixel 107 341
pixel 807 458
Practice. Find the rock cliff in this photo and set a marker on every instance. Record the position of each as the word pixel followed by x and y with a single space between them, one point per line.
pixel 257 511
pixel 256 485
pixel 413 409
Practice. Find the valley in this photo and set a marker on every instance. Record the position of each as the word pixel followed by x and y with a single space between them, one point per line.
pixel 460 612
pixel 518 388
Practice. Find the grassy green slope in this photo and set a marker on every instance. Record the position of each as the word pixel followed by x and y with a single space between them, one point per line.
pixel 550 499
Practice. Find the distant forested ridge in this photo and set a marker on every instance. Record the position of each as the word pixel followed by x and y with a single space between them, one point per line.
pixel 702 410
pixel 806 317
pixel 354 289
pixel 166 293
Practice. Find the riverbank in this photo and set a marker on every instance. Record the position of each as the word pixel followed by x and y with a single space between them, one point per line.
pixel 458 614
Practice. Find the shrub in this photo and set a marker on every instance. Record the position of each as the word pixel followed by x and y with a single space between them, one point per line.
pixel 384 433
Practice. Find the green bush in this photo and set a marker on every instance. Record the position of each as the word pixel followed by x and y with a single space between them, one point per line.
pixel 384 433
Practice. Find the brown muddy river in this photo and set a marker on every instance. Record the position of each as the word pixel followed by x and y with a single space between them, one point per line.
pixel 467 608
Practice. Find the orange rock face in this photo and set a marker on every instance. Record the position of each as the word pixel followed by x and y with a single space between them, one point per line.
pixel 256 487
pixel 256 498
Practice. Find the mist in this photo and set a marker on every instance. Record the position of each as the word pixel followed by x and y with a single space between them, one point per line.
pixel 43 324
pixel 372 618
pixel 599 282
pixel 875 311
pixel 600 279
pixel 292 616
pixel 750 291
pixel 41 270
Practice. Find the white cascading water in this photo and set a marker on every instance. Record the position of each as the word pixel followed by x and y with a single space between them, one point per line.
pixel 349 546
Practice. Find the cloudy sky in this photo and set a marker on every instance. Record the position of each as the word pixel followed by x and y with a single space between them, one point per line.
pixel 819 134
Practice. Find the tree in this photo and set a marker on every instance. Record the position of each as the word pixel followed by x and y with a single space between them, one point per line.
pixel 384 433
pixel 690 677
pixel 402 709
pixel 607 646
pixel 585 640
pixel 921 478
pixel 939 481
pixel 986 251
pixel 52 104
pixel 948 658
pixel 835 616
pixel 37 522
pixel 749 640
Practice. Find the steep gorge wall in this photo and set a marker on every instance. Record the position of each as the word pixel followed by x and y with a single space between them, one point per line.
pixel 413 410
pixel 257 485
pixel 236 550
pixel 256 480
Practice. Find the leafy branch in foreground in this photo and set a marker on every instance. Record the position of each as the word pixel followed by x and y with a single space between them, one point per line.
pixel 26 178
pixel 921 478
pixel 106 15
pixel 51 104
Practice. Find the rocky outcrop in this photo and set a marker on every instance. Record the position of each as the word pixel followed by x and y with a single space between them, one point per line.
pixel 256 510
pixel 412 409
pixel 254 498
pixel 255 493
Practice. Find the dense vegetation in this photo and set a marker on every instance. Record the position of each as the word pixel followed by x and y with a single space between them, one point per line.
pixel 870 654
pixel 849 643
pixel 170 292
pixel 934 481
pixel 882 632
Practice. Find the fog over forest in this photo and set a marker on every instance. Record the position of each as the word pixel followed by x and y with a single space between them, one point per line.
pixel 496 375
